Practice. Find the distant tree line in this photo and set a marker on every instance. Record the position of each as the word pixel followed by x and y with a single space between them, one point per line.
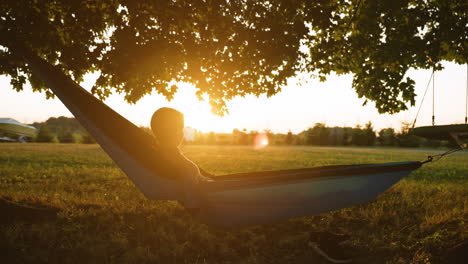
pixel 61 130
pixel 68 130
pixel 322 135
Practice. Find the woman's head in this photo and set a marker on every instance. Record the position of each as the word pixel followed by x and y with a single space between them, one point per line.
pixel 168 126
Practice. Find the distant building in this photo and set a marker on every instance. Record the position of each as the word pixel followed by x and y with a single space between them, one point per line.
pixel 12 130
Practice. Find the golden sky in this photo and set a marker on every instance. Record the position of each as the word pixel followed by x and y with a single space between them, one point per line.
pixel 296 108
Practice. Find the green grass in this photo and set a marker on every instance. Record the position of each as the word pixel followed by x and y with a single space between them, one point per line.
pixel 91 213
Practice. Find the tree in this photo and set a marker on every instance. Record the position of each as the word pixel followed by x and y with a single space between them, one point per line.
pixel 62 125
pixel 66 136
pixel 379 41
pixel 239 137
pixel 289 139
pixel 87 139
pixel 317 135
pixel 44 134
pixel 211 139
pixel 387 137
pixel 347 136
pixel 407 139
pixel 358 136
pixel 236 47
pixel 369 134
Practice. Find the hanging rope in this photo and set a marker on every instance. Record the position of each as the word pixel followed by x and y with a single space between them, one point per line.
pixel 466 102
pixel 437 157
pixel 424 96
pixel 431 78
pixel 433 98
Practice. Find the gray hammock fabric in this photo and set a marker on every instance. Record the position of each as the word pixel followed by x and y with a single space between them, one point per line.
pixel 443 132
pixel 229 200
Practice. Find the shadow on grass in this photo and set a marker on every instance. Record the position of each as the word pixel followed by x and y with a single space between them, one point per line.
pixel 170 235
pixel 457 254
pixel 13 212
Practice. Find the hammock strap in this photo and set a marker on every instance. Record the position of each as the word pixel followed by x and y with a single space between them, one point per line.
pixel 439 156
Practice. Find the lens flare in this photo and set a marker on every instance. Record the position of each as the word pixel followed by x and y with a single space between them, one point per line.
pixel 261 141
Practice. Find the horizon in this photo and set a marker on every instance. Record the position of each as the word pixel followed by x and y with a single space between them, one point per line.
pixel 312 102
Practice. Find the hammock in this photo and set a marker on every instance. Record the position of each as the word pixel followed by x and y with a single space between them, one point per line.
pixel 229 200
pixel 444 132
pixel 457 132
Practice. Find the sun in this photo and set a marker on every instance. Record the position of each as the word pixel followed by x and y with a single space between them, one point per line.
pixel 199 117
pixel 197 114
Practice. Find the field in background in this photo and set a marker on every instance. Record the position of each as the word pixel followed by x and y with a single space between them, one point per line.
pixel 66 203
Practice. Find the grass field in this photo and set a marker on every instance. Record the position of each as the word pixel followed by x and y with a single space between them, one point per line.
pixel 71 204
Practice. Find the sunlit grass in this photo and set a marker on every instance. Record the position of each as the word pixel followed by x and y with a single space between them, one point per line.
pixel 90 212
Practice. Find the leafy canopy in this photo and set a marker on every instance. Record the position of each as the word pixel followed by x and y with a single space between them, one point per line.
pixel 235 47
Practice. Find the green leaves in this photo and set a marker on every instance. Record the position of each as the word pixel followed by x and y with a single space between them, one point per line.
pixel 380 41
pixel 235 48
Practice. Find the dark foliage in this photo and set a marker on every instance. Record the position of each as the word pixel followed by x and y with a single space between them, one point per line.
pixel 406 139
pixel 322 135
pixel 232 48
pixel 64 125
pixel 387 137
pixel 87 139
pixel 65 129
pixel 289 139
pixel 44 134
pixel 66 136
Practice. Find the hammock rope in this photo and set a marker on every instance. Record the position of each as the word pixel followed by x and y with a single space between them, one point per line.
pixel 466 101
pixel 422 101
pixel 432 80
pixel 433 98
pixel 437 157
